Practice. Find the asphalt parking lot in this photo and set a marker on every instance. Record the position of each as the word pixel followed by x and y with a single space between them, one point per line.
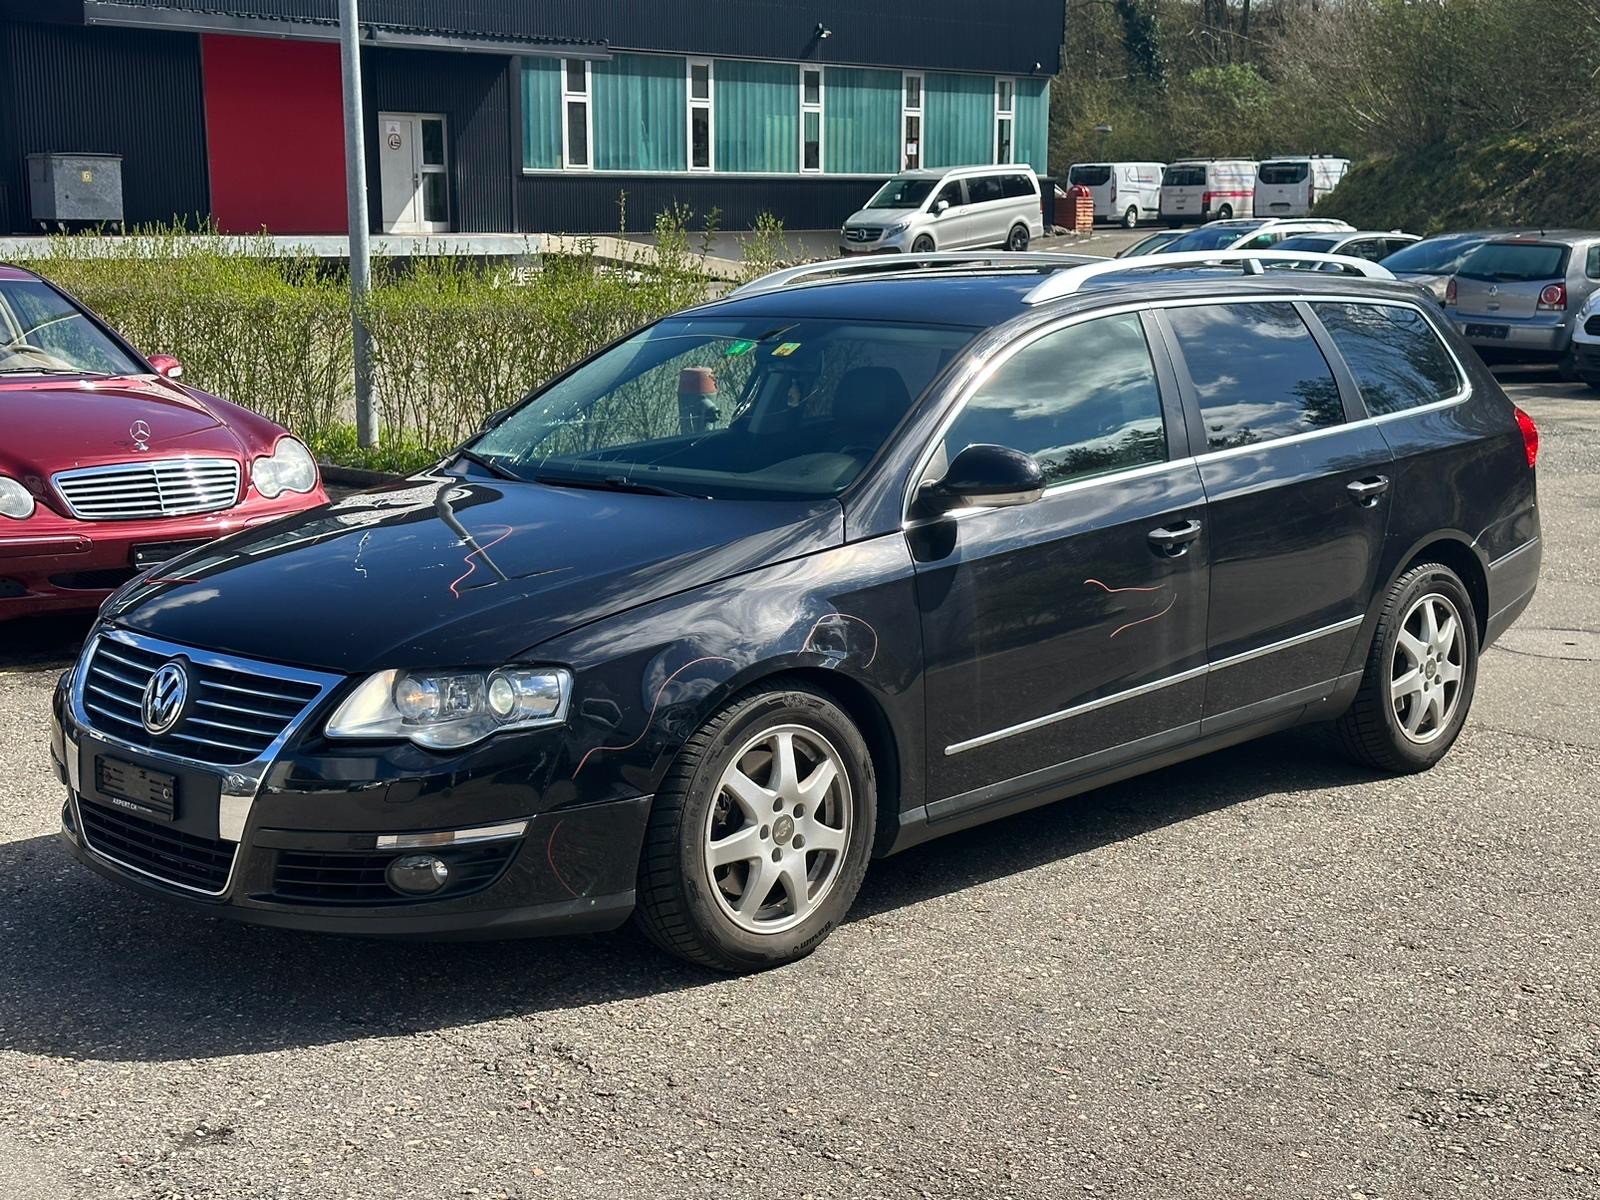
pixel 1262 973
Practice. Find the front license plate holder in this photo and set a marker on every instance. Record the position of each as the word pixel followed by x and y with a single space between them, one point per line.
pixel 151 794
pixel 1488 331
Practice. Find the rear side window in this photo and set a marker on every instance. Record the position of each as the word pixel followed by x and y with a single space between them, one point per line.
pixel 1082 400
pixel 1090 176
pixel 1257 370
pixel 1515 262
pixel 1284 172
pixel 1016 185
pixel 1394 354
pixel 981 188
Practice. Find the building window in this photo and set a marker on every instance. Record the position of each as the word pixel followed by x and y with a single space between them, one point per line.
pixel 1005 96
pixel 701 130
pixel 811 118
pixel 911 122
pixel 575 125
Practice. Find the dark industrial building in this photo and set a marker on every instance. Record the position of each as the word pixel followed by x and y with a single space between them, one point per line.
pixel 518 115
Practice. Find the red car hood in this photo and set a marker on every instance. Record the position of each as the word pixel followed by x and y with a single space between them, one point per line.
pixel 53 424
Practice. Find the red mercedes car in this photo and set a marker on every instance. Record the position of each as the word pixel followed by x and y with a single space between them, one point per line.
pixel 108 465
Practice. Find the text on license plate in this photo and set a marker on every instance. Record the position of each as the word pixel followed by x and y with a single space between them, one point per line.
pixel 148 793
pixel 1487 331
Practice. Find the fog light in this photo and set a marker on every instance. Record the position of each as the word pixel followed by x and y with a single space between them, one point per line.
pixel 418 874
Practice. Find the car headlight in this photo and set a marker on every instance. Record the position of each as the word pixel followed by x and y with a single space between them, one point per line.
pixel 16 501
pixel 898 227
pixel 444 710
pixel 289 468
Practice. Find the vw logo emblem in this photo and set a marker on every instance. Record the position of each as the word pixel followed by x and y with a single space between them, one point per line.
pixel 165 698
pixel 140 432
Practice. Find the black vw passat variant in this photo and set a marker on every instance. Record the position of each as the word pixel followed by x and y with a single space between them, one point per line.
pixel 836 565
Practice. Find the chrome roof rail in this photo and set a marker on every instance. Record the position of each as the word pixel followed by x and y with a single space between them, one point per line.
pixel 1069 282
pixel 906 264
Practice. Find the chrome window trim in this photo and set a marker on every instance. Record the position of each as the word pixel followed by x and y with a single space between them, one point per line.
pixel 1002 354
pixel 238 784
pixel 1143 689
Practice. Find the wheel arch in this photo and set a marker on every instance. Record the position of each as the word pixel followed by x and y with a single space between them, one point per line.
pixel 1453 549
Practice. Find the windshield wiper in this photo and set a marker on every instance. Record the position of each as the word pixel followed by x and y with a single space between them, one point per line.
pixel 46 371
pixel 616 483
pixel 491 465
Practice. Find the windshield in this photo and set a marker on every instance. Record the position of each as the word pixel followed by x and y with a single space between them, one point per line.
pixel 44 333
pixel 902 193
pixel 1090 174
pixel 1210 237
pixel 1184 177
pixel 725 407
pixel 1433 256
pixel 1515 262
pixel 1284 172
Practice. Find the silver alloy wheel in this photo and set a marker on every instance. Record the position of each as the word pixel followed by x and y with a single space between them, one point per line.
pixel 1427 669
pixel 777 829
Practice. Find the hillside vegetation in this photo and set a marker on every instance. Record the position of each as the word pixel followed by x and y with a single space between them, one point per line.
pixel 1457 112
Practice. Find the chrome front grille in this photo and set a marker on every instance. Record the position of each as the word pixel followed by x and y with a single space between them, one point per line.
pixel 238 712
pixel 157 487
pixel 863 233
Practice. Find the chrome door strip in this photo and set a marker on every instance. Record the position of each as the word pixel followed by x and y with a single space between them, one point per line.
pixel 1144 689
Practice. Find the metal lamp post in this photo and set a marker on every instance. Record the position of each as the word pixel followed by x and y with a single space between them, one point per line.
pixel 355 176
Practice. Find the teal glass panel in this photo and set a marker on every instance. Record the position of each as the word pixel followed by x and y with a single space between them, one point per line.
pixel 640 113
pixel 958 122
pixel 758 113
pixel 541 113
pixel 1033 123
pixel 860 121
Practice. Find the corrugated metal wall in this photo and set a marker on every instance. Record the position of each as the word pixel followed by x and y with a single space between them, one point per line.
pixel 578 203
pixel 474 92
pixel 107 91
pixel 998 36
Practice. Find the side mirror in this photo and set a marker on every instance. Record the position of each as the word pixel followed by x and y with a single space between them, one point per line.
pixel 990 476
pixel 939 207
pixel 166 366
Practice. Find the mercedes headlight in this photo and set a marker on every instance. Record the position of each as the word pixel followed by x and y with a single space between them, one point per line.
pixel 16 501
pixel 289 468
pixel 898 227
pixel 445 710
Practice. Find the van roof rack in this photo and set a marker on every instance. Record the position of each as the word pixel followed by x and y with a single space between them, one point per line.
pixel 1251 262
pixel 905 264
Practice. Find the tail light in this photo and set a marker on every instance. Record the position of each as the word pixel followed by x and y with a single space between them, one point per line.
pixel 1311 192
pixel 1113 187
pixel 1530 437
pixel 1450 291
pixel 1205 201
pixel 1553 298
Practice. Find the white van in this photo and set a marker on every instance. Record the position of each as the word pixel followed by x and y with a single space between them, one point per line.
pixel 1288 187
pixel 959 208
pixel 1124 192
pixel 1208 189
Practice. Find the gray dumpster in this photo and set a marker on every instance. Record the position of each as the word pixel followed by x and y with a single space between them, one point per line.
pixel 75 187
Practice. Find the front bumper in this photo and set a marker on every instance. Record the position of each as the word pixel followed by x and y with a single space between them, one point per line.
pixel 50 563
pixel 309 855
pixel 1587 360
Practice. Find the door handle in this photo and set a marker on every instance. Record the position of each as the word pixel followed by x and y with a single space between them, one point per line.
pixel 1173 543
pixel 1366 492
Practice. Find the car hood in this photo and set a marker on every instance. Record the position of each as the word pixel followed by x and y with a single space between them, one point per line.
pixel 53 424
pixel 877 218
pixel 441 570
pixel 1425 279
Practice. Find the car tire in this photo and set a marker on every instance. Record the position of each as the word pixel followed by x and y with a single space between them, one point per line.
pixel 1420 674
pixel 1130 219
pixel 922 245
pixel 1567 366
pixel 1017 240
pixel 1225 213
pixel 729 818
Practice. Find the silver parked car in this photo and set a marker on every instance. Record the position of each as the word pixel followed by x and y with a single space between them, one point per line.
pixel 1431 262
pixel 1513 297
pixel 1369 244
pixel 1254 233
pixel 960 208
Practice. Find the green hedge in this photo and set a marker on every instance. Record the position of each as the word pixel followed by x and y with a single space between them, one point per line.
pixel 453 339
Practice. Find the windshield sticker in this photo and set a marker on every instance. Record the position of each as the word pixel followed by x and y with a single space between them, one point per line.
pixel 785 350
pixel 742 346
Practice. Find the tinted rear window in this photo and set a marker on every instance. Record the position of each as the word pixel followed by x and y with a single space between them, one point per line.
pixel 981 188
pixel 1016 185
pixel 1184 177
pixel 1394 354
pixel 1284 172
pixel 1515 262
pixel 1207 238
pixel 1090 176
pixel 1312 243
pixel 1257 370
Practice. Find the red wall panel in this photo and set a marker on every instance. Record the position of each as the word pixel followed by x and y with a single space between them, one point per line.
pixel 274 134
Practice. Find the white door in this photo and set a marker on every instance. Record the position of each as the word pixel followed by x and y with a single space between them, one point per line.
pixel 413 173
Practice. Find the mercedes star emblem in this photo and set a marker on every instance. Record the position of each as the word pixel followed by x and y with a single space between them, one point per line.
pixel 141 435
